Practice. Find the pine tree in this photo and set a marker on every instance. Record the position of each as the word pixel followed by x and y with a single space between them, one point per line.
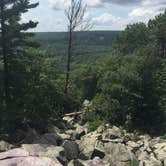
pixel 13 37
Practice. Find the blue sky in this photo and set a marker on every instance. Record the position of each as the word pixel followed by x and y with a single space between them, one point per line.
pixel 104 14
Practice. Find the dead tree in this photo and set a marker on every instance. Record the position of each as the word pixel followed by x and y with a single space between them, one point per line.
pixel 75 16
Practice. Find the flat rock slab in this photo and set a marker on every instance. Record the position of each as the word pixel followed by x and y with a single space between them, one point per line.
pixel 29 161
pixel 26 157
pixel 14 154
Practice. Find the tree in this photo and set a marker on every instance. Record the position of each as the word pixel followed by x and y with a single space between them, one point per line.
pixel 134 37
pixel 12 39
pixel 158 32
pixel 75 15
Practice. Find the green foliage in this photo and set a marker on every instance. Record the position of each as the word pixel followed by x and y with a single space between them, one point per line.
pixel 134 162
pixel 36 97
pixel 163 137
pixel 94 120
pixel 130 89
pixel 134 37
pixel 88 46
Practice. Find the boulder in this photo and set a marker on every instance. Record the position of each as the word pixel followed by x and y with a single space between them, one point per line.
pixel 64 137
pixel 160 151
pixel 133 146
pixel 80 131
pixel 55 153
pixel 35 149
pixel 54 129
pixel 151 162
pixel 94 162
pixel 71 150
pixel 99 150
pixel 29 161
pixel 4 146
pixel 110 134
pixel 87 145
pixel 21 157
pixel 117 154
pixel 68 119
pixel 50 139
pixel 31 136
pixel 14 153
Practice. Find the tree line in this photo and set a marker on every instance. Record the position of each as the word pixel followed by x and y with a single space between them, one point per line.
pixel 127 87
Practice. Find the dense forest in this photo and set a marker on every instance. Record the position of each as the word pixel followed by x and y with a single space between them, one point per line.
pixel 123 74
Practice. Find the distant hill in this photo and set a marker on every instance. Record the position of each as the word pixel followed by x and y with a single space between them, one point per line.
pixel 88 45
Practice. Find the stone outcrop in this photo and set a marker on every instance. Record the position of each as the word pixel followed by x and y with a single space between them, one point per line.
pixel 75 146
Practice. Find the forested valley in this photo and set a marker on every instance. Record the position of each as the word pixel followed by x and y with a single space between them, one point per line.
pixel 120 74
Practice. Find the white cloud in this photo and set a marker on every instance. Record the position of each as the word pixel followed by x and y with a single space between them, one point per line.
pixel 147 9
pixel 138 12
pixel 105 18
pixel 59 4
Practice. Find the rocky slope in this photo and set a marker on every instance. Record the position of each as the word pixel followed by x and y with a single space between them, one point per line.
pixel 74 145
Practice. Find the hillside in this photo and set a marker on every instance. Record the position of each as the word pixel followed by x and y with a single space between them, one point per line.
pixel 89 45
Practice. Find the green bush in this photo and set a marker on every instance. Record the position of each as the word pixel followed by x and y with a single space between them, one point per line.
pixel 163 137
pixel 134 163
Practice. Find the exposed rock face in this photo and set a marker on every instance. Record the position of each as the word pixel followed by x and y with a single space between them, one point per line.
pixel 21 157
pixel 71 149
pixel 55 153
pixel 117 154
pixel 75 146
pixel 87 146
pixel 4 146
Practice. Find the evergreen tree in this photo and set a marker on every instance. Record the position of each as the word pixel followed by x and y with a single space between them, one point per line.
pixel 13 39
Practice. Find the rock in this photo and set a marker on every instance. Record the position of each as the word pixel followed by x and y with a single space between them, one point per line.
pixel 14 153
pixel 71 163
pixel 35 149
pixel 21 157
pixel 151 162
pixel 117 154
pixel 79 132
pixel 145 138
pixel 68 119
pixel 86 104
pixel 55 153
pixel 71 150
pixel 143 155
pixel 99 150
pixel 87 146
pixel 50 139
pixel 133 146
pixel 4 146
pixel 64 136
pixel 160 151
pixel 113 133
pixel 54 129
pixel 94 162
pixel 29 161
pixel 31 136
pixel 100 129
pixel 127 137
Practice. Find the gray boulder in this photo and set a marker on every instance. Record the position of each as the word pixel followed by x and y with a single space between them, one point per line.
pixel 71 150
pixel 117 154
pixel 50 139
pixel 21 157
pixel 87 146
pixel 112 133
pixel 4 146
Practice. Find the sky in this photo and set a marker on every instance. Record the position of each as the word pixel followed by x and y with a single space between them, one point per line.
pixel 104 14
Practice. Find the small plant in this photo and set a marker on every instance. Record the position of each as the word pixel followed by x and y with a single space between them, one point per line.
pixel 94 124
pixel 134 162
pixel 163 136
pixel 136 136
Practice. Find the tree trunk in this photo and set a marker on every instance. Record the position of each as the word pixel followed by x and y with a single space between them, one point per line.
pixel 5 61
pixel 69 54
